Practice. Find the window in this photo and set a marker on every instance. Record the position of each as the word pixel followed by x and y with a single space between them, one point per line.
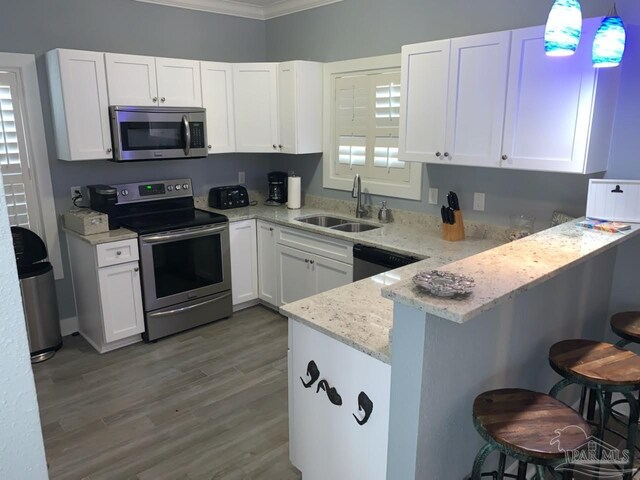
pixel 16 175
pixel 24 162
pixel 364 115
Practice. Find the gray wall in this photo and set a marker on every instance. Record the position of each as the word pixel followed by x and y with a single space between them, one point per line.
pixel 125 26
pixel 364 28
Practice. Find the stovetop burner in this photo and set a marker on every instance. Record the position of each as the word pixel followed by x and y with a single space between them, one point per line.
pixel 172 220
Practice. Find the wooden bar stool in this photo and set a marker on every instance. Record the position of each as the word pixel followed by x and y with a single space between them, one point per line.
pixel 627 326
pixel 604 369
pixel 527 426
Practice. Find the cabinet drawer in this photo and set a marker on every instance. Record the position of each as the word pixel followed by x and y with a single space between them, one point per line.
pixel 318 244
pixel 114 253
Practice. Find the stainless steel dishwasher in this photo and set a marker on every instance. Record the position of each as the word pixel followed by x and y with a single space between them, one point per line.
pixel 369 261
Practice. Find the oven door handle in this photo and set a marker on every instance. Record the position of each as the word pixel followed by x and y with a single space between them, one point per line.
pixel 174 237
pixel 187 134
pixel 190 307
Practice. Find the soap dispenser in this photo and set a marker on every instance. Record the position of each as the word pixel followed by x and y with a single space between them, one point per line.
pixel 384 215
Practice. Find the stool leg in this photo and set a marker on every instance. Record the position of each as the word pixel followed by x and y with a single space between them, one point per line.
pixel 558 387
pixel 591 406
pixel 583 398
pixel 631 434
pixel 623 343
pixel 522 471
pixel 481 457
pixel 501 466
pixel 539 472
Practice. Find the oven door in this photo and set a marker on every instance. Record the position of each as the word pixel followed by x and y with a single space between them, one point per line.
pixel 155 134
pixel 184 265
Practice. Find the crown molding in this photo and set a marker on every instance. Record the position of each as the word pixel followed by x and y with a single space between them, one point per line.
pixel 246 10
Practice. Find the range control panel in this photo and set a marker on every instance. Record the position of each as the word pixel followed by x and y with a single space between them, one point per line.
pixel 158 190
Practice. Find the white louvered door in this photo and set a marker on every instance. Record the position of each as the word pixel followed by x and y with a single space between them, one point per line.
pixel 19 187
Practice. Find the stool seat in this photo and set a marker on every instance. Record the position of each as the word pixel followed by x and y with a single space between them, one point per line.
pixel 627 325
pixel 596 362
pixel 529 423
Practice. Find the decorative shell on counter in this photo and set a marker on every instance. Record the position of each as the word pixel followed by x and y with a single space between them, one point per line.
pixel 444 284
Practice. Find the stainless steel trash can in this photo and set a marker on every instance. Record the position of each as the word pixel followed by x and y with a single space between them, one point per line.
pixel 38 294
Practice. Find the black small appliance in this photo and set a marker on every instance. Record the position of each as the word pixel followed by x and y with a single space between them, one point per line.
pixel 277 189
pixel 103 198
pixel 224 198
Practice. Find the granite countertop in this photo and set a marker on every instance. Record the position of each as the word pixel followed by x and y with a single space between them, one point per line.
pixel 522 265
pixel 106 237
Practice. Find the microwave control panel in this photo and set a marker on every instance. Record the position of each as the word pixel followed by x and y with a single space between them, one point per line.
pixel 197 134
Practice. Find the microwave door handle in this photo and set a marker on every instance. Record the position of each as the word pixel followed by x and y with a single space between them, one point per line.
pixel 187 134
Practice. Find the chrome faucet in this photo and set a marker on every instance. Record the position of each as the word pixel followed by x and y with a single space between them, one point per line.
pixel 357 193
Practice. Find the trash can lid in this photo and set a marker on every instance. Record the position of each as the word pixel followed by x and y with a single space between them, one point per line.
pixel 28 246
pixel 34 270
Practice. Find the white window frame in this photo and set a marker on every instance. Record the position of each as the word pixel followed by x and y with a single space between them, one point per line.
pixel 411 190
pixel 23 66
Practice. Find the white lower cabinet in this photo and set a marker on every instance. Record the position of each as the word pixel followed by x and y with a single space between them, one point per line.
pixel 107 291
pixel 244 261
pixel 303 274
pixel 267 263
pixel 326 440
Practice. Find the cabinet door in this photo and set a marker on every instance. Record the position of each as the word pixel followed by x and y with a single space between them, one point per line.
pixel 477 94
pixel 217 98
pixel 423 105
pixel 256 107
pixel 244 263
pixel 549 102
pixel 121 301
pixel 294 271
pixel 268 280
pixel 328 441
pixel 80 104
pixel 300 107
pixel 179 82
pixel 329 274
pixel 131 80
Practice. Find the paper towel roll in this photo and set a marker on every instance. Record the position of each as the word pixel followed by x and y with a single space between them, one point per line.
pixel 294 193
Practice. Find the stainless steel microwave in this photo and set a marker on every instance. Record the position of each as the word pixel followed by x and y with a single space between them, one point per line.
pixel 158 133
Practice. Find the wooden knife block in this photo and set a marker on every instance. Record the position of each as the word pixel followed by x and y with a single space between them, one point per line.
pixel 454 233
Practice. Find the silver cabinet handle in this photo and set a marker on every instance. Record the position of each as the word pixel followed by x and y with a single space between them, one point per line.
pixel 438 154
pixel 163 99
pixel 446 154
pixel 505 157
pixel 155 99
pixel 312 262
pixel 136 269
pixel 271 229
pixel 109 150
pixel 306 260
pixel 210 147
pixel 118 252
pixel 275 147
pixel 280 147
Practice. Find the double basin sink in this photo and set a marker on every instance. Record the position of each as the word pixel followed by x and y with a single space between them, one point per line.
pixel 339 224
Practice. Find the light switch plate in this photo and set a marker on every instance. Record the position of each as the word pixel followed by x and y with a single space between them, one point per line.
pixel 478 201
pixel 241 178
pixel 433 196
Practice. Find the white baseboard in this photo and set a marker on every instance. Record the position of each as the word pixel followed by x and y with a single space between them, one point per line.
pixel 69 325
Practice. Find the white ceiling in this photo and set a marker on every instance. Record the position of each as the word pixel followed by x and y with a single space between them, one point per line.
pixel 258 9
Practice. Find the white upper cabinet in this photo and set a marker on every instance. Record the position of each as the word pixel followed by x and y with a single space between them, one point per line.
pixel 217 98
pixel 559 113
pixel 507 104
pixel 423 104
pixel 80 104
pixel 179 82
pixel 132 80
pixel 255 93
pixel 300 107
pixel 477 94
pixel 149 81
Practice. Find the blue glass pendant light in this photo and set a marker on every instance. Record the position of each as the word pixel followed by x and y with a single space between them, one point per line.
pixel 608 46
pixel 564 27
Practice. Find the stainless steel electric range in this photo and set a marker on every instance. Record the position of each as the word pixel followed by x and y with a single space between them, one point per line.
pixel 184 256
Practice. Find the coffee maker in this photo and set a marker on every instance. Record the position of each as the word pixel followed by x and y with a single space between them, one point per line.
pixel 277 189
pixel 104 198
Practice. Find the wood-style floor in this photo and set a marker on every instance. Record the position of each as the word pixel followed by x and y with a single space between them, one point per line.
pixel 210 403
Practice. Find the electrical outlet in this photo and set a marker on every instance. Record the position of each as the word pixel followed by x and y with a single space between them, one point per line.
pixel 241 178
pixel 75 191
pixel 433 196
pixel 478 202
